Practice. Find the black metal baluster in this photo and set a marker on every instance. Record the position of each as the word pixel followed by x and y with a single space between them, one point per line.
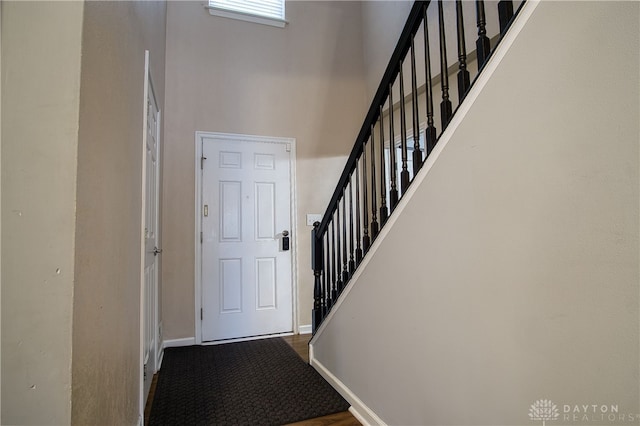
pixel 325 263
pixel 335 273
pixel 384 211
pixel 430 132
pixel 352 261
pixel 374 205
pixel 417 154
pixel 366 240
pixel 316 259
pixel 339 283
pixel 345 256
pixel 483 44
pixel 358 232
pixel 393 192
pixel 463 75
pixel 323 308
pixel 505 13
pixel 446 110
pixel 331 281
pixel 404 174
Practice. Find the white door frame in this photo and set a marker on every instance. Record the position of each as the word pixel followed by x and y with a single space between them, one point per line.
pixel 198 219
pixel 148 86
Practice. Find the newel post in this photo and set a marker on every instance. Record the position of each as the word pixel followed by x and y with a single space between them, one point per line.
pixel 317 266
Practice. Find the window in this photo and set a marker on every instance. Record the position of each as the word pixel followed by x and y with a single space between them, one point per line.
pixel 268 12
pixel 398 148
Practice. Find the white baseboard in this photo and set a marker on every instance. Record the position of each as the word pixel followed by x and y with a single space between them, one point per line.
pixel 358 416
pixel 173 343
pixel 304 329
pixel 160 358
pixel 359 409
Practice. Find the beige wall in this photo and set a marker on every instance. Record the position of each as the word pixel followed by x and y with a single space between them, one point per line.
pixel 106 326
pixel 71 195
pixel 383 21
pixel 40 99
pixel 304 81
pixel 512 273
pixel 0 211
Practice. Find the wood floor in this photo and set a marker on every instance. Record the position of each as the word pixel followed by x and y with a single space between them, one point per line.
pixel 300 343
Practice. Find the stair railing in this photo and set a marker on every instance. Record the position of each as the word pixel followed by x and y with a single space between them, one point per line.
pixel 354 218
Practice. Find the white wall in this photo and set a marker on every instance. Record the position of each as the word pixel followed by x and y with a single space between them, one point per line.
pixel 41 45
pixel 303 81
pixel 512 273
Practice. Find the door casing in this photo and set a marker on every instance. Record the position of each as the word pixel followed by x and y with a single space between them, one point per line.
pixel 199 136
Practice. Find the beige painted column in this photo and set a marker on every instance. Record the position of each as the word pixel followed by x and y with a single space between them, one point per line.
pixel 40 104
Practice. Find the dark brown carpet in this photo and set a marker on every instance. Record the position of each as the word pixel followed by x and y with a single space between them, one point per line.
pixel 261 382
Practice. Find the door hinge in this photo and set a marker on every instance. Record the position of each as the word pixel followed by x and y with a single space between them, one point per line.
pixel 200 237
pixel 202 162
pixel 288 147
pixel 201 315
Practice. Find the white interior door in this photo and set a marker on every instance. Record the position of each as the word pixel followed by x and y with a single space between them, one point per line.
pixel 150 303
pixel 246 212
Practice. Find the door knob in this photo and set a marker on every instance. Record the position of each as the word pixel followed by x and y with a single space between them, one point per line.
pixel 156 251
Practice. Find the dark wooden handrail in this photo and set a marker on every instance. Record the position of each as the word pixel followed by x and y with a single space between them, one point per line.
pixel 404 43
pixel 336 254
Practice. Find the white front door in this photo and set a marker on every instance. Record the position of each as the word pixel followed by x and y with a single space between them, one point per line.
pixel 150 284
pixel 246 214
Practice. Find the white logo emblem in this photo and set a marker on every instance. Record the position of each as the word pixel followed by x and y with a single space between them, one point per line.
pixel 543 409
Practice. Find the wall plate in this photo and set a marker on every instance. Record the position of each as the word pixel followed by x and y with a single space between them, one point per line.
pixel 312 218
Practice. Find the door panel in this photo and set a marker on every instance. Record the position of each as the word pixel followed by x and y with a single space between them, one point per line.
pixel 230 211
pixel 265 214
pixel 246 202
pixel 150 347
pixel 266 283
pixel 230 291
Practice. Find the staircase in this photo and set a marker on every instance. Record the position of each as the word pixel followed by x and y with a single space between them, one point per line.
pixel 480 251
pixel 384 161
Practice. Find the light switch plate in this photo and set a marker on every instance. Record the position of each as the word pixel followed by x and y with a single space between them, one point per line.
pixel 312 218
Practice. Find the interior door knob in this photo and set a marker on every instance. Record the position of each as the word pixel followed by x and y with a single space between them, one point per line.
pixel 156 251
